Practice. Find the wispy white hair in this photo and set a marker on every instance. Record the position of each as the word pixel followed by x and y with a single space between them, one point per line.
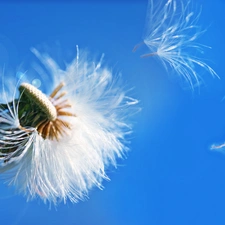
pixel 67 169
pixel 171 33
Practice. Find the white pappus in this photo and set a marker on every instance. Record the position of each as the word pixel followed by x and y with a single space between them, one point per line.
pixel 58 146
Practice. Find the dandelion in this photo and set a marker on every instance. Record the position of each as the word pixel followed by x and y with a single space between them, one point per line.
pixel 58 146
pixel 171 33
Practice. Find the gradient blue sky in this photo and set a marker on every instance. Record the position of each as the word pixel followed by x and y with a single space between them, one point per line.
pixel 170 176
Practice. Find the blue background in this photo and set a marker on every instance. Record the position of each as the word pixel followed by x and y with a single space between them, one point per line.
pixel 170 176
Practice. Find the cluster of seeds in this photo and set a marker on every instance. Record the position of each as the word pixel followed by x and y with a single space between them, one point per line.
pixel 42 112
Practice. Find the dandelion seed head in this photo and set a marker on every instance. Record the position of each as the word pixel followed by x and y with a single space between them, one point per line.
pixel 65 141
pixel 40 99
pixel 49 125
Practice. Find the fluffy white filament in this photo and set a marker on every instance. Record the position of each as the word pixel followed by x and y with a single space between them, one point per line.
pixel 171 33
pixel 67 169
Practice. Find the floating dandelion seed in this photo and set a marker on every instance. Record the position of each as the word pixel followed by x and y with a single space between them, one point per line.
pixel 58 147
pixel 218 147
pixel 171 34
